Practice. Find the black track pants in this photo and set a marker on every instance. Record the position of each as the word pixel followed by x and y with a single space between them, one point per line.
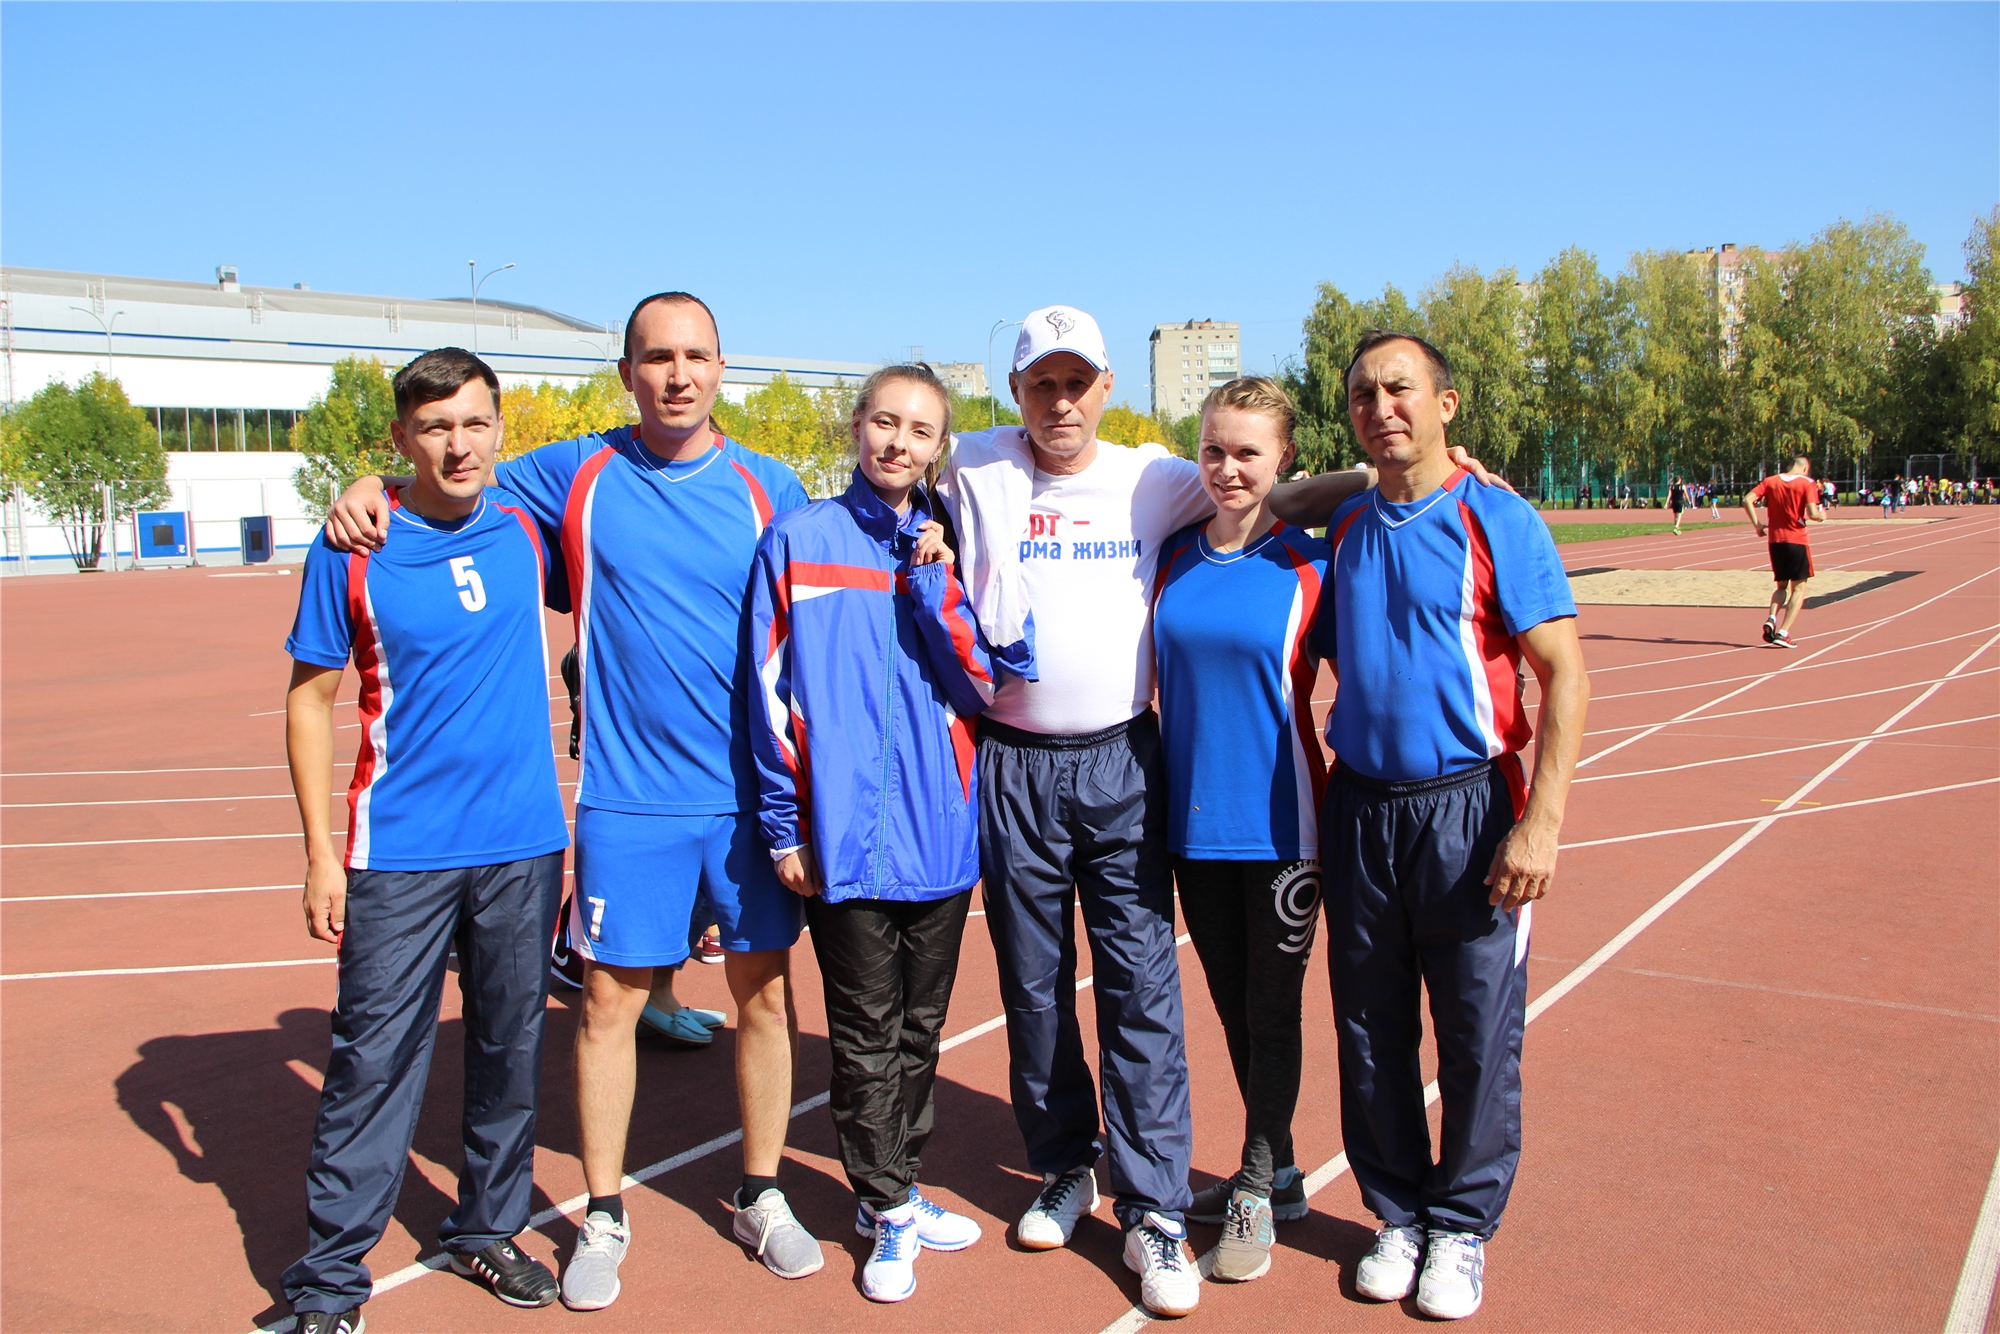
pixel 1252 924
pixel 887 970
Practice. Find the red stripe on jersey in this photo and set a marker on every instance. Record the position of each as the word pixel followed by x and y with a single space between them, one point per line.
pixel 1165 568
pixel 957 619
pixel 965 750
pixel 1340 533
pixel 576 560
pixel 368 662
pixel 1499 652
pixel 534 538
pixel 815 574
pixel 1304 671
pixel 760 504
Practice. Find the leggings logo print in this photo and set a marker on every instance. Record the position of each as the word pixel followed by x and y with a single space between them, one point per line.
pixel 1295 895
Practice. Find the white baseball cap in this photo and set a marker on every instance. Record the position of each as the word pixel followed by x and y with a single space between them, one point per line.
pixel 1059 329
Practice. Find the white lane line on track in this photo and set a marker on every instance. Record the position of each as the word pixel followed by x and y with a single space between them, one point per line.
pixel 1804 667
pixel 1136 1318
pixel 1767 708
pixel 177 968
pixel 1812 995
pixel 149 801
pixel 140 894
pixel 1788 667
pixel 1972 1299
pixel 188 838
pixel 434 1263
pixel 102 773
pixel 1766 754
pixel 1780 814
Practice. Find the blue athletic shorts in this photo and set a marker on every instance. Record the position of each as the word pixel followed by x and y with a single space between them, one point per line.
pixel 637 877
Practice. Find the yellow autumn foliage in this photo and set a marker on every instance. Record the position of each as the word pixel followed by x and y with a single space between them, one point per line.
pixel 537 414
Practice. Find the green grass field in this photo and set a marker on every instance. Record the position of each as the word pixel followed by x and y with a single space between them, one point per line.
pixel 1598 532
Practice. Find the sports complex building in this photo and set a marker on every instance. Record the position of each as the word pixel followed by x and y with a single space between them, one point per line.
pixel 224 370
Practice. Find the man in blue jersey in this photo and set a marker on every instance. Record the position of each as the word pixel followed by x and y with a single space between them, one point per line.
pixel 455 837
pixel 657 525
pixel 1433 846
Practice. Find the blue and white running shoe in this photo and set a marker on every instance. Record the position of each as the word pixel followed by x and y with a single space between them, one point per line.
pixel 891 1272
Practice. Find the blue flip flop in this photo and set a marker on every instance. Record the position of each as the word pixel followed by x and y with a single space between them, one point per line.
pixel 681 1026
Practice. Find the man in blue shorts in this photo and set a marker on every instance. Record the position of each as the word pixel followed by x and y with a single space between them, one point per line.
pixel 1432 844
pixel 657 524
pixel 455 838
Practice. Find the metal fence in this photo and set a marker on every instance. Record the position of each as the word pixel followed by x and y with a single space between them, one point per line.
pixel 35 542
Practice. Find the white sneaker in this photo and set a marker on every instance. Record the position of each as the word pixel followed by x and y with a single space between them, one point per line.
pixel 1454 1276
pixel 1156 1250
pixel 1052 1218
pixel 937 1227
pixel 891 1272
pixel 1388 1273
pixel 767 1226
pixel 590 1283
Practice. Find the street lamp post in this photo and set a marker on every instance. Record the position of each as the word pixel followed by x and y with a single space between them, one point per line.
pixel 110 371
pixel 472 268
pixel 992 395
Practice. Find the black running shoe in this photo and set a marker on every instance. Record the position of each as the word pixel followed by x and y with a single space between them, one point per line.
pixel 516 1279
pixel 565 964
pixel 1770 632
pixel 331 1322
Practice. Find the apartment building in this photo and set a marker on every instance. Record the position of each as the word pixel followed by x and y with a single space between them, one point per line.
pixel 1188 360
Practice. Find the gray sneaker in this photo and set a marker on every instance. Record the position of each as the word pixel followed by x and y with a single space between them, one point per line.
pixel 591 1281
pixel 1288 1201
pixel 768 1228
pixel 1244 1253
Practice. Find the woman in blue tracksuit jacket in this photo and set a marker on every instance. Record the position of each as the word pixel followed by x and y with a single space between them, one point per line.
pixel 871 670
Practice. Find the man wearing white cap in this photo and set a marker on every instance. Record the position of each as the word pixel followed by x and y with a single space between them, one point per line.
pixel 1055 520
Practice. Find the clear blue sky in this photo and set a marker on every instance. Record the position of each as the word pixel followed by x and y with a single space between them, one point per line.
pixel 846 181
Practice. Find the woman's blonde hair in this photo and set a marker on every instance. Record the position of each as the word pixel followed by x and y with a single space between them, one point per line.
pixel 915 373
pixel 1259 394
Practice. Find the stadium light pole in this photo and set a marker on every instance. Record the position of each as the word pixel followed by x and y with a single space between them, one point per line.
pixel 472 267
pixel 992 394
pixel 110 371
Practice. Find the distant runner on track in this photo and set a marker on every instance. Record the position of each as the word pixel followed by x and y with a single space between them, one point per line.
pixel 1790 499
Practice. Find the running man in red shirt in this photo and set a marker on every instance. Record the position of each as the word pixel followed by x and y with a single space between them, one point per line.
pixel 1790 499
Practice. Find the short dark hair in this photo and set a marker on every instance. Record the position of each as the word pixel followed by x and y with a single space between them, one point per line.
pixel 439 374
pixel 672 298
pixel 1373 338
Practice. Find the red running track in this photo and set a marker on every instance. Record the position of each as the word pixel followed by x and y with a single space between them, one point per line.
pixel 1760 1072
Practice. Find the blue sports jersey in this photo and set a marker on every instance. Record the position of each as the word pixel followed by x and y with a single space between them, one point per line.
pixel 656 559
pixel 1426 599
pixel 445 627
pixel 1236 669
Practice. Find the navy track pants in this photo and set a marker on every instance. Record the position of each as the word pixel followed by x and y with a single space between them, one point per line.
pixel 401 926
pixel 1069 819
pixel 1403 865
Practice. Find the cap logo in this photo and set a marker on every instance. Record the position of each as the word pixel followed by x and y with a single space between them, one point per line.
pixel 1060 322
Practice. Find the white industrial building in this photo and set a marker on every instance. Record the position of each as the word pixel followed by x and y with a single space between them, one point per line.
pixel 224 370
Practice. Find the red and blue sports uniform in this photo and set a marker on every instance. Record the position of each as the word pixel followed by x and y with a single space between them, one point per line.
pixel 444 625
pixel 455 838
pixel 871 671
pixel 655 566
pixel 1236 671
pixel 1420 611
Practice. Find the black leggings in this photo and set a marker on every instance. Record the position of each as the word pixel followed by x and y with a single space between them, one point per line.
pixel 887 969
pixel 1252 925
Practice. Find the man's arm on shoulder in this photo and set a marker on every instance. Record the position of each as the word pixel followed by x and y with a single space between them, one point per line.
pixel 1526 861
pixel 1310 503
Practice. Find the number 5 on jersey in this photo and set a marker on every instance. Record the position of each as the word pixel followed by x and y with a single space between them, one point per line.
pixel 471 591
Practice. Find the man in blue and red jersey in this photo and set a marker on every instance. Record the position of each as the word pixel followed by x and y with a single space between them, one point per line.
pixel 1791 500
pixel 657 524
pixel 1432 844
pixel 455 837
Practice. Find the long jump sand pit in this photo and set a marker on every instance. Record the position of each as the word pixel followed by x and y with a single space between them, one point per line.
pixel 1715 588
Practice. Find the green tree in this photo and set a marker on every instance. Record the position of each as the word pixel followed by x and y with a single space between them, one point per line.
pixel 70 447
pixel 1574 364
pixel 805 429
pixel 1970 352
pixel 981 413
pixel 1671 331
pixel 1477 321
pixel 1123 425
pixel 344 433
pixel 1820 324
pixel 1318 386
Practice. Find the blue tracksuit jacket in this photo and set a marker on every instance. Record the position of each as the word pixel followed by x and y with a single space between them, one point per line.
pixel 870 672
